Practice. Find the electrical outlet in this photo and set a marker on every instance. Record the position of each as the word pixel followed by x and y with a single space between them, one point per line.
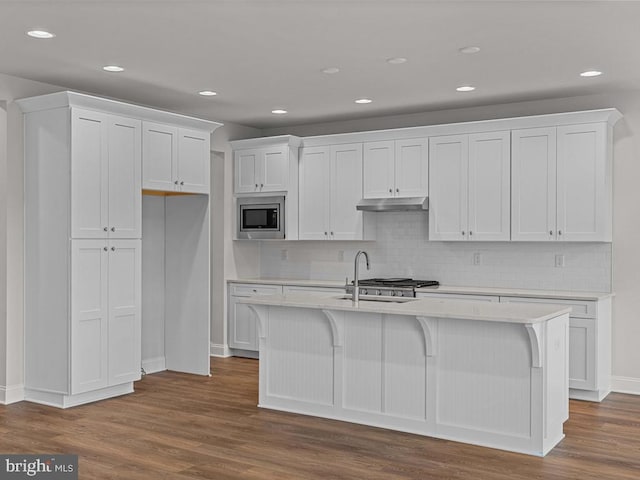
pixel 477 258
pixel 559 260
pixel 284 254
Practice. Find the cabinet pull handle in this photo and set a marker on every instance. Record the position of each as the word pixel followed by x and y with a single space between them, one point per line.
pixel 470 233
pixel 113 229
pixel 391 190
pixel 325 234
pixel 332 234
pixel 397 190
pixel 261 185
pixel 113 249
pixel 551 232
pixel 559 232
pixel 462 232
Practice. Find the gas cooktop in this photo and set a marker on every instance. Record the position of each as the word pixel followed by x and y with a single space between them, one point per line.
pixel 397 282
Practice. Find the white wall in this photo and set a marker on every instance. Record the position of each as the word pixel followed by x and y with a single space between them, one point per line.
pixel 625 255
pixel 3 248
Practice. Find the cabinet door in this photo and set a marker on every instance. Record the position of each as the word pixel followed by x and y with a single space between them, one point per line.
pixel 584 180
pixel 346 192
pixel 489 186
pixel 194 159
pixel 448 164
pixel 533 184
pixel 89 174
pixel 273 170
pixel 124 326
pixel 313 222
pixel 125 178
pixel 412 168
pixel 582 353
pixel 89 313
pixel 159 156
pixel 245 163
pixel 243 327
pixel 378 169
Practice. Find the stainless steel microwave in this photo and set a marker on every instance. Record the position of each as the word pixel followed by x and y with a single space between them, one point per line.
pixel 261 218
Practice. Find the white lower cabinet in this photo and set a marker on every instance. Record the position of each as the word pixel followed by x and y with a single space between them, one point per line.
pixel 453 296
pixel 243 329
pixel 105 313
pixel 242 324
pixel 589 345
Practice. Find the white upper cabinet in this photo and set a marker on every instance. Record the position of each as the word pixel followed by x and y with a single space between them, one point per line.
pixel 561 184
pixel 175 159
pixel 105 176
pixel 469 187
pixel 330 188
pixel 396 168
pixel 262 170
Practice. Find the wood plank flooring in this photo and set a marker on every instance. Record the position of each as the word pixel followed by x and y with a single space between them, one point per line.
pixel 182 427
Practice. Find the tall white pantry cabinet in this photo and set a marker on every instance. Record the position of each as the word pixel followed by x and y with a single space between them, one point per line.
pixel 83 251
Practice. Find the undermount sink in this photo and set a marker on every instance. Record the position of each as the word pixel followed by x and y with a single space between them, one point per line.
pixel 379 299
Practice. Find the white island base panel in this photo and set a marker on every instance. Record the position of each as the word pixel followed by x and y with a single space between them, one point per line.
pixel 63 400
pixel 490 383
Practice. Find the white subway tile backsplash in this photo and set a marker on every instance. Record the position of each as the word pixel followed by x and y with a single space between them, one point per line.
pixel 402 249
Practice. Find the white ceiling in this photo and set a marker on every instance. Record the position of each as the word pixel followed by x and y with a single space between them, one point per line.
pixel 265 54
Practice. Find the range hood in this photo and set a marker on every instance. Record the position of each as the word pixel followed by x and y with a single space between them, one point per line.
pixel 407 204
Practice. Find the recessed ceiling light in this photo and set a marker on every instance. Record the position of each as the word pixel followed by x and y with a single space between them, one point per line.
pixel 331 70
pixel 207 93
pixel 469 50
pixel 113 68
pixel 396 60
pixel 466 88
pixel 40 34
pixel 363 100
pixel 278 111
pixel 591 73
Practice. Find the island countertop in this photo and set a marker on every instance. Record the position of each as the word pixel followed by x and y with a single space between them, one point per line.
pixel 419 307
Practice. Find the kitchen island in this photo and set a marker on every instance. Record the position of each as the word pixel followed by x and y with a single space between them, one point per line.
pixel 488 374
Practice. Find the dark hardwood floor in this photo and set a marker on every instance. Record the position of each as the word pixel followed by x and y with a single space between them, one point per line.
pixel 181 427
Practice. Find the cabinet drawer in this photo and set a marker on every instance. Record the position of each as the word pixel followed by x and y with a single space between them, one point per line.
pixel 579 309
pixel 320 291
pixel 457 296
pixel 238 290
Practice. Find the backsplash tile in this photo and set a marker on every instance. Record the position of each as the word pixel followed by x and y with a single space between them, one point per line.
pixel 402 249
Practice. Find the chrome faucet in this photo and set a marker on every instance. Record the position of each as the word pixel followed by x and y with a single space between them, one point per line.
pixel 356 287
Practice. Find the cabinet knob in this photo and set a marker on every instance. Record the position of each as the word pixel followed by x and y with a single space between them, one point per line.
pixel 325 234
pixel 261 185
pixel 113 249
pixel 113 229
pixel 332 234
pixel 470 233
pixel 106 229
pixel 256 185
pixel 182 182
pixel 391 190
pixel 551 232
pixel 462 232
pixel 397 190
pixel 559 232
pixel 176 182
pixel 105 249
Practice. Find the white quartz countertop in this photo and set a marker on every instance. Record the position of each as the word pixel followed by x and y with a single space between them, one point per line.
pixel 459 290
pixel 427 307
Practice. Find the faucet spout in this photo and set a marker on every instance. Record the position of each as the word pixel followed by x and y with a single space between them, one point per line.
pixel 356 276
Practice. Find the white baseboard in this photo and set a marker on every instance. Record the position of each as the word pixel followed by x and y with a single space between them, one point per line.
pixel 219 350
pixel 11 394
pixel 625 385
pixel 153 365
